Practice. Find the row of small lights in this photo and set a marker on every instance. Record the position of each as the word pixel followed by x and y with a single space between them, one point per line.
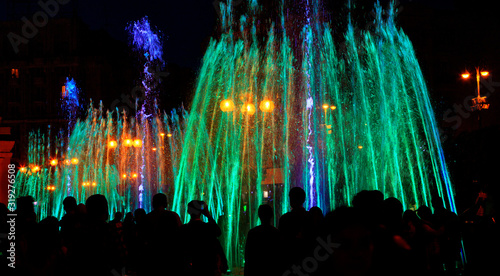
pixel 112 144
pixel 136 143
pixel 53 163
pixel 248 108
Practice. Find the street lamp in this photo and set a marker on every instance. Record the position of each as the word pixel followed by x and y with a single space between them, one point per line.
pixel 248 108
pixel 478 103
pixel 266 106
pixel 227 105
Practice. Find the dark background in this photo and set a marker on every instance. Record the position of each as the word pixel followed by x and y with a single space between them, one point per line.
pixel 87 40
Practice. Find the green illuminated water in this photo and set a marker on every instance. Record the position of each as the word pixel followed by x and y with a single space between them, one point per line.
pixel 377 131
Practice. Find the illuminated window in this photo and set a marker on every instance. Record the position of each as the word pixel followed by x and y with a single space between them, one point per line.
pixel 15 73
pixel 63 90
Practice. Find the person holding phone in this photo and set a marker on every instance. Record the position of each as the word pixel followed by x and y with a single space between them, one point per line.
pixel 204 255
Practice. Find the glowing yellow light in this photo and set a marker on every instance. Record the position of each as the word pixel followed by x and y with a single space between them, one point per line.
pixel 485 73
pixel 465 75
pixel 53 162
pixel 35 169
pixel 23 169
pixel 67 162
pixel 227 105
pixel 74 161
pixel 134 175
pixel 360 147
pixel 325 106
pixel 51 188
pixel 248 108
pixel 169 135
pixel 266 106
pixel 333 107
pixel 112 144
pixel 137 143
pixel 154 149
pixel 94 184
pixel 128 142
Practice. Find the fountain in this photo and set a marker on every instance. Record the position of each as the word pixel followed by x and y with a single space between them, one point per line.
pixel 277 105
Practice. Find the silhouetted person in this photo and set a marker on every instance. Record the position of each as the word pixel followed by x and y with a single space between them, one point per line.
pixel 46 255
pixel 393 252
pixel 370 204
pixel 98 250
pixel 450 240
pixel 292 226
pixel 428 237
pixel 351 242
pixel 162 239
pixel 117 218
pixel 25 231
pixel 69 222
pixel 262 249
pixel 201 246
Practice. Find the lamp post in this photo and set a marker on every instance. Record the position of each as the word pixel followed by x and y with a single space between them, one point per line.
pixel 478 103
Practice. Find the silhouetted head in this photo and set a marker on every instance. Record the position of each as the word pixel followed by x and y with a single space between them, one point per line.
pixel 424 212
pixel 129 218
pixel 69 204
pixel 368 200
pixel 194 208
pixel 297 197
pixel 139 215
pixel 393 208
pixel 50 224
pixel 118 216
pixel 159 201
pixel 81 209
pixel 437 203
pixel 316 212
pixel 25 205
pixel 410 215
pixel 265 214
pixel 97 207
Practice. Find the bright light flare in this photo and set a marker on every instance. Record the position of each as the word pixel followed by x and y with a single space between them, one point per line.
pixel 266 106
pixel 35 169
pixel 128 142
pixel 333 107
pixel 325 106
pixel 74 161
pixel 124 175
pixel 465 76
pixel 248 109
pixel 227 105
pixel 134 175
pixel 112 144
pixel 23 169
pixel 54 162
pixel 137 143
pixel 485 73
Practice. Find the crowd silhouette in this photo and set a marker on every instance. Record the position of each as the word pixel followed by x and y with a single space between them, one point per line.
pixel 375 236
